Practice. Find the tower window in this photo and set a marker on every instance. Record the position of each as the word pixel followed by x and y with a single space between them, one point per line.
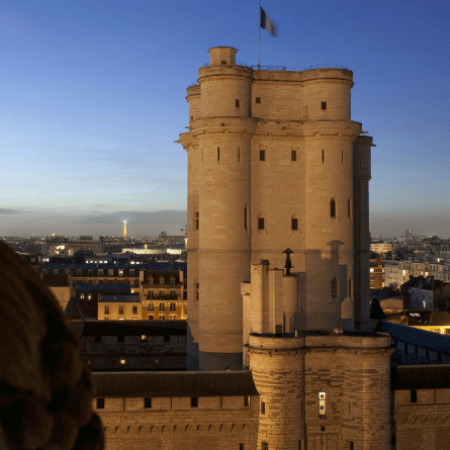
pixel 413 395
pixel 258 100
pixel 334 288
pixel 342 156
pixel 218 153
pixel 100 403
pixel 147 402
pixel 294 224
pixel 332 208
pixel 246 400
pixel 197 291
pixel 264 445
pixel 262 155
pixel 237 103
pixel 293 155
pixel 323 105
pixel 261 223
pixel 349 208
pixel 194 402
pixel 245 217
pixel 239 154
pixel 223 62
pixel 197 220
pixel 350 287
pixel 323 156
pixel 263 408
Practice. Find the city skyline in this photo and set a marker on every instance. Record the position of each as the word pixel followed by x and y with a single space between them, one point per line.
pixel 93 100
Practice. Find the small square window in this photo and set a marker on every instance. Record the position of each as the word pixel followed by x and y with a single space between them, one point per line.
pixel 262 155
pixel 100 403
pixel 261 223
pixel 293 155
pixel 237 103
pixel 324 105
pixel 143 338
pixel 258 100
pixel 147 402
pixel 194 402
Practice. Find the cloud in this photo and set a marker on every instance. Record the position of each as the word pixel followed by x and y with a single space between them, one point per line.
pixel 8 211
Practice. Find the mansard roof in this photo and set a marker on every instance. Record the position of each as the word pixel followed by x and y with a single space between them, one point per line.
pixel 421 377
pixel 134 327
pixel 174 384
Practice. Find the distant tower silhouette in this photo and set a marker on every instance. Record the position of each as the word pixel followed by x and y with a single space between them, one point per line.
pixel 125 229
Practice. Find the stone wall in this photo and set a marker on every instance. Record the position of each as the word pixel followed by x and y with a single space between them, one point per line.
pixel 172 423
pixel 422 419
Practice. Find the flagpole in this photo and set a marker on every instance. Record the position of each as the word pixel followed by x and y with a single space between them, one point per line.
pixel 259 37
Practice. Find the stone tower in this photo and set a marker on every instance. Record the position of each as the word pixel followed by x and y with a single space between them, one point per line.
pixel 274 161
pixel 319 390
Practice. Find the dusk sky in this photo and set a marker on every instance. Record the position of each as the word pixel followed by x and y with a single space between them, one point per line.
pixel 92 99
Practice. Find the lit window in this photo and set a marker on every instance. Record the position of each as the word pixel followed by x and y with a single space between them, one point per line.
pixel 120 272
pixel 122 361
pixel 143 338
pixel 110 271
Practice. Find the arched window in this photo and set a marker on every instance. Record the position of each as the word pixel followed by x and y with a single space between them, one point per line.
pixel 334 287
pixel 332 208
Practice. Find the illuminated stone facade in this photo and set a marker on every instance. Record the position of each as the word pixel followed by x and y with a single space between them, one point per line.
pixel 274 161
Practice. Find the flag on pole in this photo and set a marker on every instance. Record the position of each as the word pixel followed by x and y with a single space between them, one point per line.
pixel 267 24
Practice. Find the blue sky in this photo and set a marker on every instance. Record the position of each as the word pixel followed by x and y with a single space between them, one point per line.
pixel 93 97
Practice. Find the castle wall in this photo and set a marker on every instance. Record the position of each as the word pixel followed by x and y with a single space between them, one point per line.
pixel 171 423
pixel 424 423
